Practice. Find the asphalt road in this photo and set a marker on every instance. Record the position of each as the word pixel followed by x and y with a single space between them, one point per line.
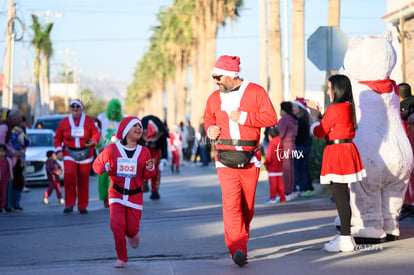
pixel 183 234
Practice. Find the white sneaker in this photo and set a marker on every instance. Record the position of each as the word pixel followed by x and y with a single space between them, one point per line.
pixel 292 196
pixel 45 201
pixel 340 243
pixel 61 201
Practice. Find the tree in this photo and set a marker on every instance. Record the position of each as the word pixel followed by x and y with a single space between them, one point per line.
pixel 42 44
pixel 297 76
pixel 275 57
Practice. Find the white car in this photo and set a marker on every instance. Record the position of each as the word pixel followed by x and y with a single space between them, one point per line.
pixel 41 141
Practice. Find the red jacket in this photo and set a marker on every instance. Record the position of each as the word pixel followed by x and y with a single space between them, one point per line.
pixel 274 156
pixel 110 157
pixel 256 110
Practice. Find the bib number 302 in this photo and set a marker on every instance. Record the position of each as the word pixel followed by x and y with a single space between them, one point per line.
pixel 126 168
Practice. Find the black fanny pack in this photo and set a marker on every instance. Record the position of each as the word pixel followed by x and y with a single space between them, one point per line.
pixel 235 159
pixel 79 154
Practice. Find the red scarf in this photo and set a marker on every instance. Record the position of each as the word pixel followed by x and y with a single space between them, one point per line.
pixel 382 86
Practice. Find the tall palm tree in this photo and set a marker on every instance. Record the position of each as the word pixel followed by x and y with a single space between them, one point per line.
pixel 37 44
pixel 42 44
pixel 264 70
pixel 47 51
pixel 275 57
pixel 297 75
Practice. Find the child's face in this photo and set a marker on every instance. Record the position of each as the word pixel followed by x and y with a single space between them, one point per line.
pixel 2 153
pixel 135 132
pixel 53 156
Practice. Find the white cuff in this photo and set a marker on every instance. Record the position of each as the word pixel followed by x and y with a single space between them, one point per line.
pixel 242 118
pixel 313 126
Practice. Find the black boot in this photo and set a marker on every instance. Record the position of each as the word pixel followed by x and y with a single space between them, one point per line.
pixel 177 170
pixel 155 195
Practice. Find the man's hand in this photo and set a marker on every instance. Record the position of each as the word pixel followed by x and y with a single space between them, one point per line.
pixel 214 132
pixel 89 143
pixel 235 115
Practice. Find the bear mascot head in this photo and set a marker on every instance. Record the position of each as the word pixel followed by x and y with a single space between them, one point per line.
pixel 380 138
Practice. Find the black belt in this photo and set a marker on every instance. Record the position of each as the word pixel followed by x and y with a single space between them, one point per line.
pixel 339 141
pixel 236 142
pixel 127 191
pixel 76 149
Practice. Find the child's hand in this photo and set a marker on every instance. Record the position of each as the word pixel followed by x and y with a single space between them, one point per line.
pixel 149 165
pixel 58 172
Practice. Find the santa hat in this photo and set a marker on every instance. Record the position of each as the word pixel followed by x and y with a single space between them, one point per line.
pixel 152 129
pixel 126 125
pixel 301 102
pixel 76 101
pixel 227 65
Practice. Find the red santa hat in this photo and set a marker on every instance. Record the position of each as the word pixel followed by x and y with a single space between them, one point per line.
pixel 301 102
pixel 151 129
pixel 126 125
pixel 76 101
pixel 227 65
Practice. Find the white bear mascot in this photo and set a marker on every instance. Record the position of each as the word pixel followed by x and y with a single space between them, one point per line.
pixel 380 138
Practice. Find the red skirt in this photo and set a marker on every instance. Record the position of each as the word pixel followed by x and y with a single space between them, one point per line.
pixel 342 163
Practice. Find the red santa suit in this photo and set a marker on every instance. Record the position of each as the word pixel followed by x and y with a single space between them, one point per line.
pixel 175 145
pixel 71 134
pixel 238 185
pixel 127 168
pixel 274 167
pixel 341 162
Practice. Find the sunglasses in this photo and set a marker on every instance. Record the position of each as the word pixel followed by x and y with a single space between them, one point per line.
pixel 74 106
pixel 216 77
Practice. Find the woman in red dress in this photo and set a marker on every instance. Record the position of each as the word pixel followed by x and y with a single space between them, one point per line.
pixel 341 163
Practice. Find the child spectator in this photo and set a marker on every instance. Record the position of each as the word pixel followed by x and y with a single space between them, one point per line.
pixel 19 140
pixel 128 164
pixel 53 171
pixel 274 166
pixel 5 176
pixel 175 145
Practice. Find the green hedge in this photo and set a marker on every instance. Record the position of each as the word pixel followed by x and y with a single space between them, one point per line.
pixel 315 159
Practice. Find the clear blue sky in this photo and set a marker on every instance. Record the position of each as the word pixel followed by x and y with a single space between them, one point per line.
pixel 108 37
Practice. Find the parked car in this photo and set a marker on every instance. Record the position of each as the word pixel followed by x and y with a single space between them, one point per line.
pixel 48 122
pixel 41 141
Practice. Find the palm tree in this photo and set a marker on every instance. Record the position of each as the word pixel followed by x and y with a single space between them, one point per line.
pixel 42 44
pixel 264 70
pixel 47 51
pixel 275 57
pixel 297 75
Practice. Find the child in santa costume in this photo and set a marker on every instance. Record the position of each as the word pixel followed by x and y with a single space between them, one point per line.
pixel 341 163
pixel 234 116
pixel 274 167
pixel 175 146
pixel 127 164
pixel 75 138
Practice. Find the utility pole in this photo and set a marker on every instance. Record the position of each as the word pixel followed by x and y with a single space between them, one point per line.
pixel 7 100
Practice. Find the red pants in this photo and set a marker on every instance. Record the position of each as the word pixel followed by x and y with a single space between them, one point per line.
pixel 76 181
pixel 53 186
pixel 175 158
pixel 124 223
pixel 277 188
pixel 238 188
pixel 156 156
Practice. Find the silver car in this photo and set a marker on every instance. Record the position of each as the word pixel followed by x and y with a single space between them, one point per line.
pixel 41 141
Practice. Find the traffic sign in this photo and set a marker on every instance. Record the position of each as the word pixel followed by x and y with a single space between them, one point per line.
pixel 327 47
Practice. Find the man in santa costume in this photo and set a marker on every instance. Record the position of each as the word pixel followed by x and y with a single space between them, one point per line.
pixel 75 138
pixel 234 115
pixel 108 123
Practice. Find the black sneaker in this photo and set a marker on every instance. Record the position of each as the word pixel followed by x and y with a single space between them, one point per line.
pixel 155 195
pixel 68 210
pixel 239 258
pixel 83 211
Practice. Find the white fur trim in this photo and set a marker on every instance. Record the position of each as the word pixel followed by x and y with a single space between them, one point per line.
pixel 224 72
pixel 275 174
pixel 76 101
pixel 243 118
pixel 313 126
pixel 129 126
